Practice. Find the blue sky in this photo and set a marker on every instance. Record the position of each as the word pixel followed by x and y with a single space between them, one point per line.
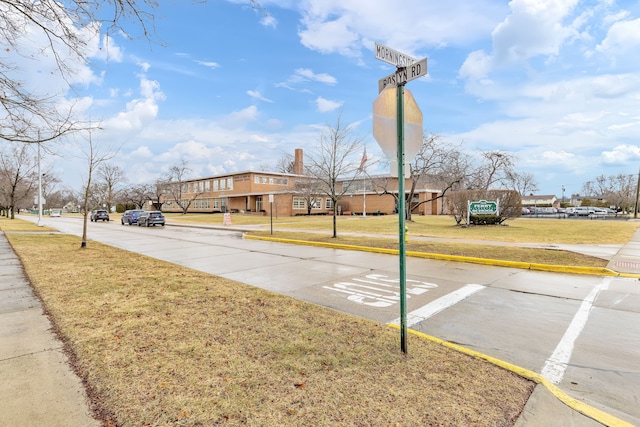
pixel 554 82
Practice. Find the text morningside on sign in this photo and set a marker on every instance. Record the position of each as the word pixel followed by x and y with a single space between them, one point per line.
pixel 392 56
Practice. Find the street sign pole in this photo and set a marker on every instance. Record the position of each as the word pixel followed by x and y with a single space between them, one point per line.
pixel 402 252
pixel 407 69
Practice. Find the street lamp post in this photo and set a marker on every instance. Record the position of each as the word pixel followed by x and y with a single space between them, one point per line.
pixel 39 190
pixel 635 207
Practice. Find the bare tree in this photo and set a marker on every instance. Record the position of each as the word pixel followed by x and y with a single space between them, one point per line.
pixel 285 164
pixel 158 192
pixel 524 183
pixel 95 156
pixel 618 190
pixel 622 191
pixel 176 186
pixel 598 187
pixel 50 192
pixel 139 194
pixel 438 164
pixel 494 170
pixel 332 163
pixel 111 176
pixel 309 188
pixel 18 176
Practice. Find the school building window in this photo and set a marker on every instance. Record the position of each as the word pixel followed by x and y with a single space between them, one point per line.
pixel 299 203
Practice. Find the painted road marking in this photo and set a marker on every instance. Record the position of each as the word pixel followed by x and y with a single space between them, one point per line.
pixel 378 290
pixel 556 365
pixel 440 304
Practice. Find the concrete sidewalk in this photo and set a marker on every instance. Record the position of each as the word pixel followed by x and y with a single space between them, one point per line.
pixel 39 387
pixel 627 258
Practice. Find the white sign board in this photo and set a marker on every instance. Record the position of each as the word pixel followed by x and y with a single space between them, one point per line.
pixel 404 75
pixel 392 56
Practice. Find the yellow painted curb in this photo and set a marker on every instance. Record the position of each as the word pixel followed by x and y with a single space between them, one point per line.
pixel 597 271
pixel 581 407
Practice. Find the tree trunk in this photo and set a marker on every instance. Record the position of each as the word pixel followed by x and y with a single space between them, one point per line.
pixel 335 220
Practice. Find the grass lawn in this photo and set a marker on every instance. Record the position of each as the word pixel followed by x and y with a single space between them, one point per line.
pixel 163 345
pixel 562 231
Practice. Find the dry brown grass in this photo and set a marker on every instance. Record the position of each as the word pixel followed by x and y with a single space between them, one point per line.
pixel 163 345
pixel 9 225
pixel 506 253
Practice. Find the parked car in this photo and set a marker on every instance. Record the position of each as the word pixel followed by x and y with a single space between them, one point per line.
pixel 583 211
pixel 131 216
pixel 55 212
pixel 151 218
pixel 600 211
pixel 99 215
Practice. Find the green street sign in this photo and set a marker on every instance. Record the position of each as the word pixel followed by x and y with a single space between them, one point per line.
pixel 483 207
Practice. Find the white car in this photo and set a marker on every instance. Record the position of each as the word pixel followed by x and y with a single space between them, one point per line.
pixel 54 212
pixel 583 211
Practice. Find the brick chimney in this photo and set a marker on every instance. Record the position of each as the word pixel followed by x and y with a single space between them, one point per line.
pixel 298 168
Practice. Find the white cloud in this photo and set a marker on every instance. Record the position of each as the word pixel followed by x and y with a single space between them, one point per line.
pixel 209 64
pixel 257 95
pixel 269 21
pixel 476 66
pixel 535 27
pixel 307 74
pixel 345 27
pixel 242 117
pixel 621 154
pixel 558 157
pixel 108 51
pixel 144 66
pixel 623 38
pixel 324 105
pixel 141 153
pixel 329 36
pixel 140 111
pixel 301 76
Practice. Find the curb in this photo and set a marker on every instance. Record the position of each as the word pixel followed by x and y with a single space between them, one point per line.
pixel 587 410
pixel 597 271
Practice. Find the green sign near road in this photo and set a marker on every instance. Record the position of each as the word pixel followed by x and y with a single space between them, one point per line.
pixel 483 207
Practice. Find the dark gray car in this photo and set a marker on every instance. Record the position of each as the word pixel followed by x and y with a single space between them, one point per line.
pixel 99 215
pixel 151 218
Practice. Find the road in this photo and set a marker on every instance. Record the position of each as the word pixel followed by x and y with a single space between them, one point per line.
pixel 581 332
